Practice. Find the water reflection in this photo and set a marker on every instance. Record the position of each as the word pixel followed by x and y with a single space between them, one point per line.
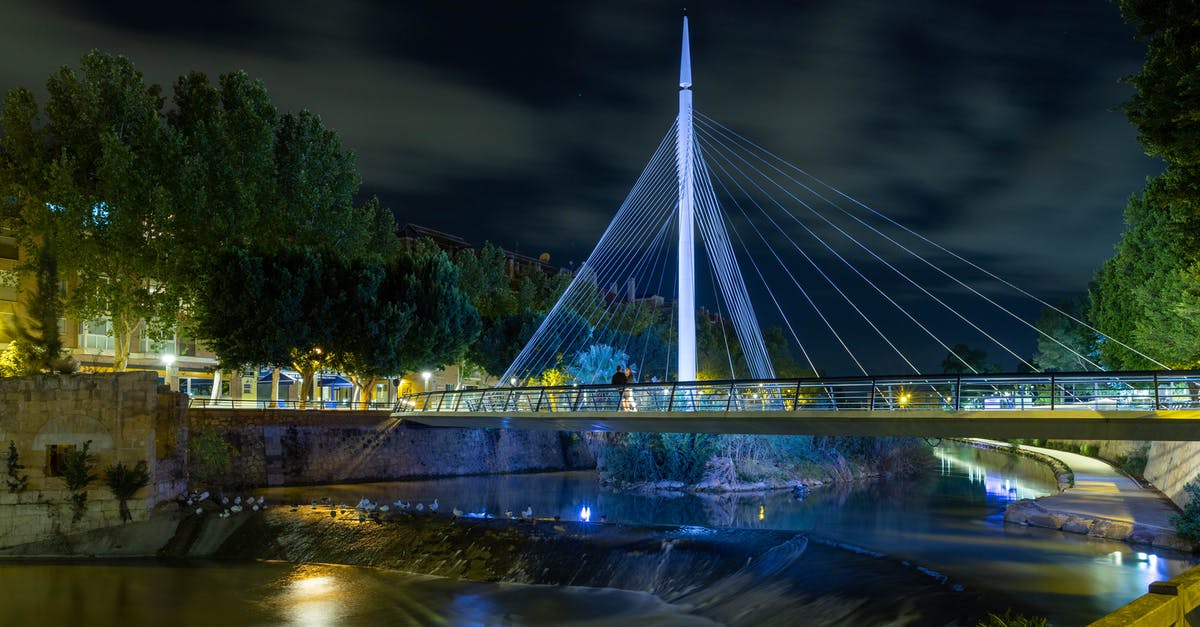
pixel 949 521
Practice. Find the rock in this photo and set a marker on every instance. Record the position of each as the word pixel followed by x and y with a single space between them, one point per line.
pixel 1076 524
pixel 719 474
pixel 1111 529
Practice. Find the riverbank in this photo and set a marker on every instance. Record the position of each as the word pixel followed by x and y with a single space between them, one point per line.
pixel 1101 502
pixel 731 576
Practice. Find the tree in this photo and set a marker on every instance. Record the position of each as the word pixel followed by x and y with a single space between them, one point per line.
pixel 262 310
pixel 96 188
pixel 963 359
pixel 596 364
pixel 1073 347
pixel 1167 97
pixel 444 322
pixel 1147 296
pixel 38 330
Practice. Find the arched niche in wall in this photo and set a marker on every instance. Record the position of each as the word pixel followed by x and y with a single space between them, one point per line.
pixel 75 431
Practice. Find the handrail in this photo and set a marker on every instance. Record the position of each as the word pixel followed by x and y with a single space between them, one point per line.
pixel 1134 390
pixel 197 402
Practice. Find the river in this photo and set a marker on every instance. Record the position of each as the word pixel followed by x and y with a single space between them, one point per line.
pixel 917 542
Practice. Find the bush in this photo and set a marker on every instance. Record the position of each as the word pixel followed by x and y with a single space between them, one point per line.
pixel 1187 524
pixel 1134 463
pixel 17 482
pixel 210 459
pixel 1012 620
pixel 124 482
pixel 78 473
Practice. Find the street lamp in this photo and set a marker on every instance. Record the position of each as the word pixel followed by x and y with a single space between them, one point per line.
pixel 172 374
pixel 425 375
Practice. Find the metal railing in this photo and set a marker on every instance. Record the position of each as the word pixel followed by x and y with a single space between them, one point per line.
pixel 1150 390
pixel 197 402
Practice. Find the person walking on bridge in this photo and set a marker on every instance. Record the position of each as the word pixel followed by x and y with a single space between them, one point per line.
pixel 619 379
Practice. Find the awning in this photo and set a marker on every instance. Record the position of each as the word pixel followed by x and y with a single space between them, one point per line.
pixel 286 377
pixel 334 381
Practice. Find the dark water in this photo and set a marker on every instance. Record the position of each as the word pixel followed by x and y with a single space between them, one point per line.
pixel 941 537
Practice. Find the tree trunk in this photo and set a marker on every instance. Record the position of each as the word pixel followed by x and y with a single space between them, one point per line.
pixel 275 387
pixel 216 389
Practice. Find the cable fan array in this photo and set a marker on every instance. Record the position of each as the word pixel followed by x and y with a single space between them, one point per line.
pixel 855 291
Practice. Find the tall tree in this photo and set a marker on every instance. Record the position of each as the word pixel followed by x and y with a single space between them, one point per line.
pixel 1146 296
pixel 97 186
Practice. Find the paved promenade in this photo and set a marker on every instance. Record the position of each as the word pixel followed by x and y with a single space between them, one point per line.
pixel 1104 502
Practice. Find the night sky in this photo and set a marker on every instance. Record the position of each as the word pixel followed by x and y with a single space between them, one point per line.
pixel 991 127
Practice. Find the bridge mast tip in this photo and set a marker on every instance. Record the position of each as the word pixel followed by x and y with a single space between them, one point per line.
pixel 685 59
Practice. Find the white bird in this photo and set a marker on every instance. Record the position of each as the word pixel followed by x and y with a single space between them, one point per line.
pixel 433 507
pixel 384 508
pixel 236 509
pixel 237 500
pixel 225 514
pixel 420 507
pixel 527 512
pixel 260 500
pixel 508 513
pixel 255 508
pixel 224 500
pixel 457 512
pixel 199 510
pixel 203 495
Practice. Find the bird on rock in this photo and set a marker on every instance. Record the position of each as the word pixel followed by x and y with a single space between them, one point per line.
pixel 433 507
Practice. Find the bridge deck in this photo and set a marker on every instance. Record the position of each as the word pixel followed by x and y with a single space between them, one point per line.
pixel 1090 406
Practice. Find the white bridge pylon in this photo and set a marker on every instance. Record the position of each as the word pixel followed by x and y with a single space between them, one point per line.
pixel 628 267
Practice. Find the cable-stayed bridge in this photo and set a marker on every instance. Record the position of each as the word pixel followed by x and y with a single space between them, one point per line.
pixel 779 245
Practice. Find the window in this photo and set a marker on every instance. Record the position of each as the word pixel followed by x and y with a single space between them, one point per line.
pixel 9 248
pixel 56 458
pixel 96 335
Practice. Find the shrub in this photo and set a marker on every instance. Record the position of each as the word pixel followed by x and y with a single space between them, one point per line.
pixel 210 459
pixel 1187 524
pixel 1012 620
pixel 1134 462
pixel 78 473
pixel 124 482
pixel 17 482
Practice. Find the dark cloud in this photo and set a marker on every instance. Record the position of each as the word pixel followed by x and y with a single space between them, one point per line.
pixel 989 127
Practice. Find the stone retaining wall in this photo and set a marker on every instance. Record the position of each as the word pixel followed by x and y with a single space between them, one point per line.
pixel 282 447
pixel 1172 465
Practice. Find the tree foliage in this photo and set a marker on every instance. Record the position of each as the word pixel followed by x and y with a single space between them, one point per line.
pixel 962 359
pixel 124 482
pixel 1074 347
pixel 137 200
pixel 1147 296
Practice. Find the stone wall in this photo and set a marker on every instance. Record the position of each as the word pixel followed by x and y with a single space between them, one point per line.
pixel 116 413
pixel 282 447
pixel 1171 465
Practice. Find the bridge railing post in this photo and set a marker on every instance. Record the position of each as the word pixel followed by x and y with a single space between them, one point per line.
pixel 1053 391
pixel 958 393
pixel 871 395
pixel 1157 400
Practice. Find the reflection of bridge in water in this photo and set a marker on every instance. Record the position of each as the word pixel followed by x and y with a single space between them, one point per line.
pixel 1088 406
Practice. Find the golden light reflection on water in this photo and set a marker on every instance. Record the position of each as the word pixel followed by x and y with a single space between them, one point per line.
pixel 311 596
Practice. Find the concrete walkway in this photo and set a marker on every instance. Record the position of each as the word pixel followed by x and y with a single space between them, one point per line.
pixel 1102 491
pixel 1104 502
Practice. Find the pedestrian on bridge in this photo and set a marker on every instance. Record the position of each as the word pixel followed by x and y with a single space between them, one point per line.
pixel 620 379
